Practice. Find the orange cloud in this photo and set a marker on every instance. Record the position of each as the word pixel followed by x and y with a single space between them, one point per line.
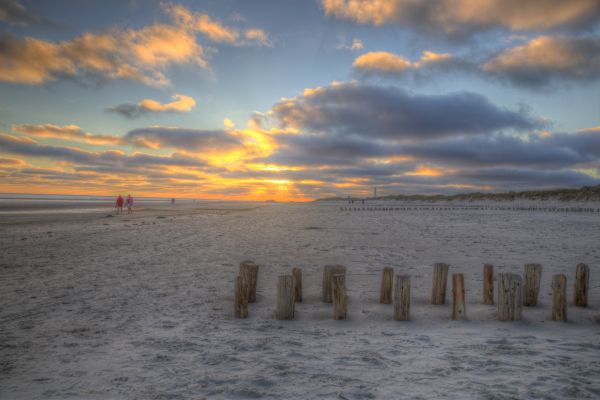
pixel 215 30
pixel 181 103
pixel 140 55
pixel 384 61
pixel 67 132
pixel 541 52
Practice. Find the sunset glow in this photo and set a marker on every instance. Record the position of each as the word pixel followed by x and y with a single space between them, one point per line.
pixel 293 101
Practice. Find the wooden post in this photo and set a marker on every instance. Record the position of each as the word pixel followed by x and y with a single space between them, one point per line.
pixel 559 297
pixel 241 297
pixel 531 284
pixel 509 297
pixel 338 289
pixel 440 281
pixel 387 281
pixel 249 270
pixel 459 310
pixel 297 274
pixel 328 270
pixel 488 284
pixel 285 297
pixel 582 283
pixel 402 298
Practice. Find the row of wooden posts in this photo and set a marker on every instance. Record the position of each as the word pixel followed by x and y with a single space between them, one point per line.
pixel 454 208
pixel 513 291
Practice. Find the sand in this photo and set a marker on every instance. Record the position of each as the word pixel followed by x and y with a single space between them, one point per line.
pixel 141 307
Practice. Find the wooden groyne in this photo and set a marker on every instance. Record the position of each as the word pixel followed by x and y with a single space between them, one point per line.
pixel 513 291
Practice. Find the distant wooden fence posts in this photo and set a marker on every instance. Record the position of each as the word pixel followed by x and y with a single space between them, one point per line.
pixel 408 207
pixel 513 291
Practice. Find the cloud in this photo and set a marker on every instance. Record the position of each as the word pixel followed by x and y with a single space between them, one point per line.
pixel 181 103
pixel 215 30
pixel 257 37
pixel 13 12
pixel 196 140
pixel 356 45
pixel 67 132
pixel 526 179
pixel 552 151
pixel 326 150
pixel 544 60
pixel 389 63
pixel 392 113
pixel 466 16
pixel 9 163
pixel 29 147
pixel 141 55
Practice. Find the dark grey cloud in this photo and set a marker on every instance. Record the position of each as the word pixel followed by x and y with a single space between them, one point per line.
pixel 184 139
pixel 13 12
pixel 392 113
pixel 460 18
pixel 524 178
pixel 128 110
pixel 559 150
pixel 11 145
pixel 327 149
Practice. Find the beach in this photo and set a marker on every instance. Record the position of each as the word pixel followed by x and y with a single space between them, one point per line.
pixel 96 305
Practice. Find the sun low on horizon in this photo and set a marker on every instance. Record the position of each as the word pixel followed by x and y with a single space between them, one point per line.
pixel 298 100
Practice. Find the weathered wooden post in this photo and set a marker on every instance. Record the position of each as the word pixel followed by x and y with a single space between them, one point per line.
pixel 285 297
pixel 488 284
pixel 440 281
pixel 240 303
pixel 338 289
pixel 297 274
pixel 582 283
pixel 249 270
pixel 509 297
pixel 402 298
pixel 328 270
pixel 531 285
pixel 559 297
pixel 459 310
pixel 387 281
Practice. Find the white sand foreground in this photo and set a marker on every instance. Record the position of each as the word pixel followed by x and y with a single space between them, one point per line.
pixel 140 307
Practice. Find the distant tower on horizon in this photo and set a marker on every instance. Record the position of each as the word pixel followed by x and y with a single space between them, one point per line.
pixel 374 192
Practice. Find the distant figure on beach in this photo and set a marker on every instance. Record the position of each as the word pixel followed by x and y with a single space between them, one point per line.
pixel 129 204
pixel 119 205
pixel 173 200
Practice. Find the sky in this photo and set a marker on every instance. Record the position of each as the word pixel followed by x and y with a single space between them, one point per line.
pixel 296 100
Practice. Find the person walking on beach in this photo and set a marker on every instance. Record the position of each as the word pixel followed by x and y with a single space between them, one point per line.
pixel 129 204
pixel 119 205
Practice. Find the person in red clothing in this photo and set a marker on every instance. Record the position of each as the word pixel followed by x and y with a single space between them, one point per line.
pixel 119 205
